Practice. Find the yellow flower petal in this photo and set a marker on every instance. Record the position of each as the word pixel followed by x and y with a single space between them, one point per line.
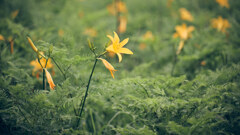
pixel 110 48
pixel 119 57
pixel 111 38
pixel 50 80
pixel 108 66
pixel 125 51
pixel 32 44
pixel 116 38
pixel 124 42
pixel 180 47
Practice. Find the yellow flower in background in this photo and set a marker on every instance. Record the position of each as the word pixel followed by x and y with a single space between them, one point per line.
pixel 183 31
pixel 220 24
pixel 2 37
pixel 14 14
pixel 11 41
pixel 169 3
pixel 117 46
pixel 121 7
pixel 142 46
pixel 185 14
pixel 108 66
pixel 49 79
pixel 223 3
pixel 80 14
pixel 148 36
pixel 90 32
pixel 122 24
pixel 60 33
pixel 37 67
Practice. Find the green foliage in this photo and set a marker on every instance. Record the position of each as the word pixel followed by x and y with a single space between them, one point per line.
pixel 145 98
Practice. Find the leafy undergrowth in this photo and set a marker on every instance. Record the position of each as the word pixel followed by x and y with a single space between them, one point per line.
pixel 199 94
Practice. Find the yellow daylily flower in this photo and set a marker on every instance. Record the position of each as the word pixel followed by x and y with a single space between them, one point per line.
pixel 223 3
pixel 37 67
pixel 122 24
pixel 49 79
pixel 60 33
pixel 169 3
pixel 220 24
pixel 2 37
pixel 148 36
pixel 183 31
pixel 90 32
pixel 14 14
pixel 108 66
pixel 185 14
pixel 121 7
pixel 117 46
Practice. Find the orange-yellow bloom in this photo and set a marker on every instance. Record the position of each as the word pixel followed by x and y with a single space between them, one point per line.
pixel 185 14
pixel 223 3
pixel 169 3
pixel 117 46
pixel 14 14
pixel 90 32
pixel 183 31
pixel 60 32
pixel 122 24
pixel 2 37
pixel 220 24
pixel 37 67
pixel 118 6
pixel 108 66
pixel 49 79
pixel 180 47
pixel 32 45
pixel 148 36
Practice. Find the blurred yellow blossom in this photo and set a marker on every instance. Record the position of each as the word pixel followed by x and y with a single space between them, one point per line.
pixel 90 32
pixel 148 36
pixel 122 24
pixel 220 24
pixel 117 46
pixel 60 33
pixel 223 3
pixel 14 14
pixel 203 63
pixel 142 46
pixel 180 47
pixel 2 37
pixel 183 31
pixel 185 15
pixel 169 3
pixel 118 6
pixel 108 66
pixel 111 54
pixel 11 41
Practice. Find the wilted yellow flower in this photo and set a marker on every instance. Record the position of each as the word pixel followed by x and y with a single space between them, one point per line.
pixel 122 24
pixel 183 31
pixel 220 24
pixel 223 3
pixel 90 32
pixel 2 37
pixel 108 66
pixel 185 14
pixel 121 7
pixel 117 46
pixel 37 66
pixel 14 14
pixel 49 79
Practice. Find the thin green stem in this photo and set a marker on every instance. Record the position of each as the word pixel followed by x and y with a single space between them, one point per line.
pixel 86 93
pixel 174 60
pixel 93 124
pixel 59 68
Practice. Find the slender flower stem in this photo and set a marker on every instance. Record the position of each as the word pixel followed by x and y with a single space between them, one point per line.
pixel 86 93
pixel 59 68
pixel 174 60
